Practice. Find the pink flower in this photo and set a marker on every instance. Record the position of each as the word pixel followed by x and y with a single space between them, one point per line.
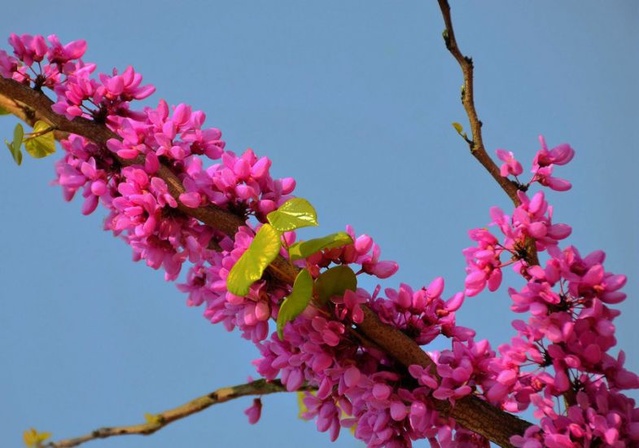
pixel 254 412
pixel 483 264
pixel 8 65
pixel 349 305
pixel 27 48
pixel 511 165
pixel 61 54
pixel 559 155
pixel 544 162
pixel 124 87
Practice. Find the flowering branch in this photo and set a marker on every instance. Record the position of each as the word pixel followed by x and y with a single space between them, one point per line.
pixel 155 422
pixel 32 105
pixel 360 350
pixel 476 143
pixel 471 412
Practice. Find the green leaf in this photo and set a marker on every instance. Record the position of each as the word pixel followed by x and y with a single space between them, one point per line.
pixel 33 438
pixel 303 249
pixel 4 111
pixel 293 214
pixel 18 135
pixel 460 129
pixel 43 143
pixel 297 301
pixel 249 268
pixel 335 282
pixel 17 155
pixel 14 146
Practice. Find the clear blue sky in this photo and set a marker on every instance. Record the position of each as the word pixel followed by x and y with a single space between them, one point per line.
pixel 353 98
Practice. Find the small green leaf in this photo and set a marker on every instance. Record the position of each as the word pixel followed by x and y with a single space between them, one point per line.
pixel 17 155
pixel 4 111
pixel 14 146
pixel 43 143
pixel 33 439
pixel 297 301
pixel 335 282
pixel 293 214
pixel 249 268
pixel 460 129
pixel 18 135
pixel 303 249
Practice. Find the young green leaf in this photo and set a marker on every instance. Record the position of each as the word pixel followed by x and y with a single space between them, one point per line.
pixel 293 214
pixel 18 135
pixel 17 155
pixel 249 268
pixel 43 143
pixel 460 129
pixel 33 439
pixel 303 249
pixel 4 111
pixel 297 301
pixel 334 282
pixel 14 146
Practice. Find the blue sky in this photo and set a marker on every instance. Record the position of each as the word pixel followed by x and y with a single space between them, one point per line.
pixel 355 100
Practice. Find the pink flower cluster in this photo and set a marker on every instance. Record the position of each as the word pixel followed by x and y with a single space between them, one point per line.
pixel 362 387
pixel 141 207
pixel 364 252
pixel 561 353
pixel 30 50
pixel 543 164
pixel 531 220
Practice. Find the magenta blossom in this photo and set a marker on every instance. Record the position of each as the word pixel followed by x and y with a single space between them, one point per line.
pixel 544 162
pixel 510 165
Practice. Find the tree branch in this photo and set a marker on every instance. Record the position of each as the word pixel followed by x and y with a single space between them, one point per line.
pixel 31 105
pixel 156 422
pixel 476 143
pixel 471 412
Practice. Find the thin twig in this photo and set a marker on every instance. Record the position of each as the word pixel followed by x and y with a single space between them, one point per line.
pixel 159 421
pixel 476 142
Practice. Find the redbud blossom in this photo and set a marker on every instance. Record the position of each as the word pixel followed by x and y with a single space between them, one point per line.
pixel 562 344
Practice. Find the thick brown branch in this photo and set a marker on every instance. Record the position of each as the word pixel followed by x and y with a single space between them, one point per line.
pixel 472 413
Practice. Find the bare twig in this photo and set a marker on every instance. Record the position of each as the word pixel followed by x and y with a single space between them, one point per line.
pixel 476 143
pixel 158 421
